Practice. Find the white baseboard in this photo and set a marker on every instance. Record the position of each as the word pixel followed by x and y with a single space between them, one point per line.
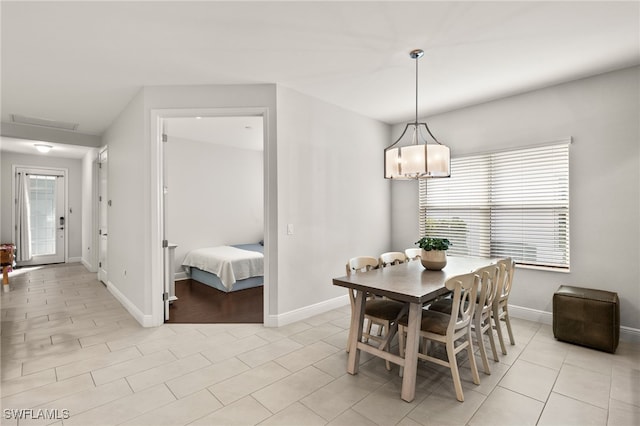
pixel 74 259
pixel 627 334
pixel 144 320
pixel 529 314
pixel 178 276
pixel 88 266
pixel 306 312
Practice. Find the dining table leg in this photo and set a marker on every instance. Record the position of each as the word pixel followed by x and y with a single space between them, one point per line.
pixel 355 334
pixel 411 353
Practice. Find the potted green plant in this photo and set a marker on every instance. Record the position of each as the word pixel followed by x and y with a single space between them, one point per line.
pixel 434 252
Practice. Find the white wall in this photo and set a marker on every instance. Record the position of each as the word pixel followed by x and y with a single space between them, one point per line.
pixel 214 196
pixel 331 189
pixel 601 114
pixel 89 211
pixel 74 185
pixel 130 210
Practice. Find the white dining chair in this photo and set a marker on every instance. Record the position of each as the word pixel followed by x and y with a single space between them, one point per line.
pixel 500 311
pixel 384 313
pixel 392 258
pixel 453 330
pixel 413 253
pixel 481 323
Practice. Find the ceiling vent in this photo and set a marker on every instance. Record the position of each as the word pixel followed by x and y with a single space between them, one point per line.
pixel 52 124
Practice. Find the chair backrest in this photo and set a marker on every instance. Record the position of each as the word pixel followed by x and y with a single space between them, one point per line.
pixel 465 291
pixel 489 276
pixel 361 264
pixel 392 258
pixel 413 253
pixel 505 280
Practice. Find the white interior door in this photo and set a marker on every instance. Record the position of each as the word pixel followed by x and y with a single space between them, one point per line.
pixel 47 219
pixel 103 231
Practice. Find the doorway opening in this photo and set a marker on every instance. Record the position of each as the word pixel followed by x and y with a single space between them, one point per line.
pixel 213 205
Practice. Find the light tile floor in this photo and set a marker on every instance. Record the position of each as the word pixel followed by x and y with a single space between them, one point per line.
pixel 68 345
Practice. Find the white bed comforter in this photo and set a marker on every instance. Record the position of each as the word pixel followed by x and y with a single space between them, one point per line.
pixel 230 264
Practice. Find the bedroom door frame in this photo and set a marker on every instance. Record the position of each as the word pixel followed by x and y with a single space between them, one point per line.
pixel 159 244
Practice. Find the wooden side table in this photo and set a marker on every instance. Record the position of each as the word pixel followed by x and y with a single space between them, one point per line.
pixel 6 261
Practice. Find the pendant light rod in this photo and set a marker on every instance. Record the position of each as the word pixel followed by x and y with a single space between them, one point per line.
pixel 417 54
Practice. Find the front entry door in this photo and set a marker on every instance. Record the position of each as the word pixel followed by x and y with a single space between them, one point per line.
pixel 46 197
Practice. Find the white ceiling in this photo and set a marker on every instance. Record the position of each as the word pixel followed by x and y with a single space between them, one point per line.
pixel 83 61
pixel 24 146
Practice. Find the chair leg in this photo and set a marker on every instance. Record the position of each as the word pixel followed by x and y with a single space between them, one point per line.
pixel 368 332
pixel 401 347
pixel 455 373
pixel 508 322
pixel 496 320
pixel 391 331
pixel 483 352
pixel 492 340
pixel 472 361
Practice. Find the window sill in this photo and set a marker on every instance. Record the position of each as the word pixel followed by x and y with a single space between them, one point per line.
pixel 543 268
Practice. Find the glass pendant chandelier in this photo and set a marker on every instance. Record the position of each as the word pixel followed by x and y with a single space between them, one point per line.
pixel 420 159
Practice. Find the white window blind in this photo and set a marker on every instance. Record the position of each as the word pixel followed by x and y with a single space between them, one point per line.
pixel 510 203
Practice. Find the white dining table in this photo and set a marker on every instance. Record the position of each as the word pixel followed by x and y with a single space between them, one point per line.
pixel 410 283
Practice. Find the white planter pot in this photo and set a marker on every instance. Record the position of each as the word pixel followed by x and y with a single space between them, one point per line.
pixel 434 260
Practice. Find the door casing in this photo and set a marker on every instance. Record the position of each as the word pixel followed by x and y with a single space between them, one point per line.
pixel 103 228
pixel 158 253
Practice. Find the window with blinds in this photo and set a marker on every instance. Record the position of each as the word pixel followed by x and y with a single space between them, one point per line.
pixel 509 203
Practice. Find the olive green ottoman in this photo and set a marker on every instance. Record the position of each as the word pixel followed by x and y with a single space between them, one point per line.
pixel 587 317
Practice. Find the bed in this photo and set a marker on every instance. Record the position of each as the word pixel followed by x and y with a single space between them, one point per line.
pixel 227 268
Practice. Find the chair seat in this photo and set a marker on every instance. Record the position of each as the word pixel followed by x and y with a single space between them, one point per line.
pixel 383 308
pixel 442 305
pixel 435 322
pixel 432 322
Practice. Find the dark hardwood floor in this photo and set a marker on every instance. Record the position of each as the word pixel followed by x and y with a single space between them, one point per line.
pixel 199 303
